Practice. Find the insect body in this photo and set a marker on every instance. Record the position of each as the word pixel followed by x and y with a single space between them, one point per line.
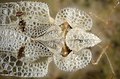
pixel 38 42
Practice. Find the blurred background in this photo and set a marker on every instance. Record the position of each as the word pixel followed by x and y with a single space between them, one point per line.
pixel 106 25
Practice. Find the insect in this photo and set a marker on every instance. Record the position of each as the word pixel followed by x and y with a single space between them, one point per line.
pixel 29 41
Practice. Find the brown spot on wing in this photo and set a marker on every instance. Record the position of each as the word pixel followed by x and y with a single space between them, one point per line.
pixel 21 52
pixel 22 24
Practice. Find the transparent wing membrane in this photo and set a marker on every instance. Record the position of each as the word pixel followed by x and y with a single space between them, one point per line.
pixel 8 13
pixel 10 40
pixel 54 46
pixel 34 50
pixel 13 11
pixel 53 33
pixel 36 30
pixel 11 66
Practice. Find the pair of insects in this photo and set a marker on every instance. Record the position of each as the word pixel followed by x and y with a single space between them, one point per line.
pixel 30 39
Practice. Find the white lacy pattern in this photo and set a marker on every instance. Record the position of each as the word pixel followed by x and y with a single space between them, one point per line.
pixel 10 40
pixel 74 61
pixel 11 66
pixel 78 39
pixel 29 40
pixel 74 17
